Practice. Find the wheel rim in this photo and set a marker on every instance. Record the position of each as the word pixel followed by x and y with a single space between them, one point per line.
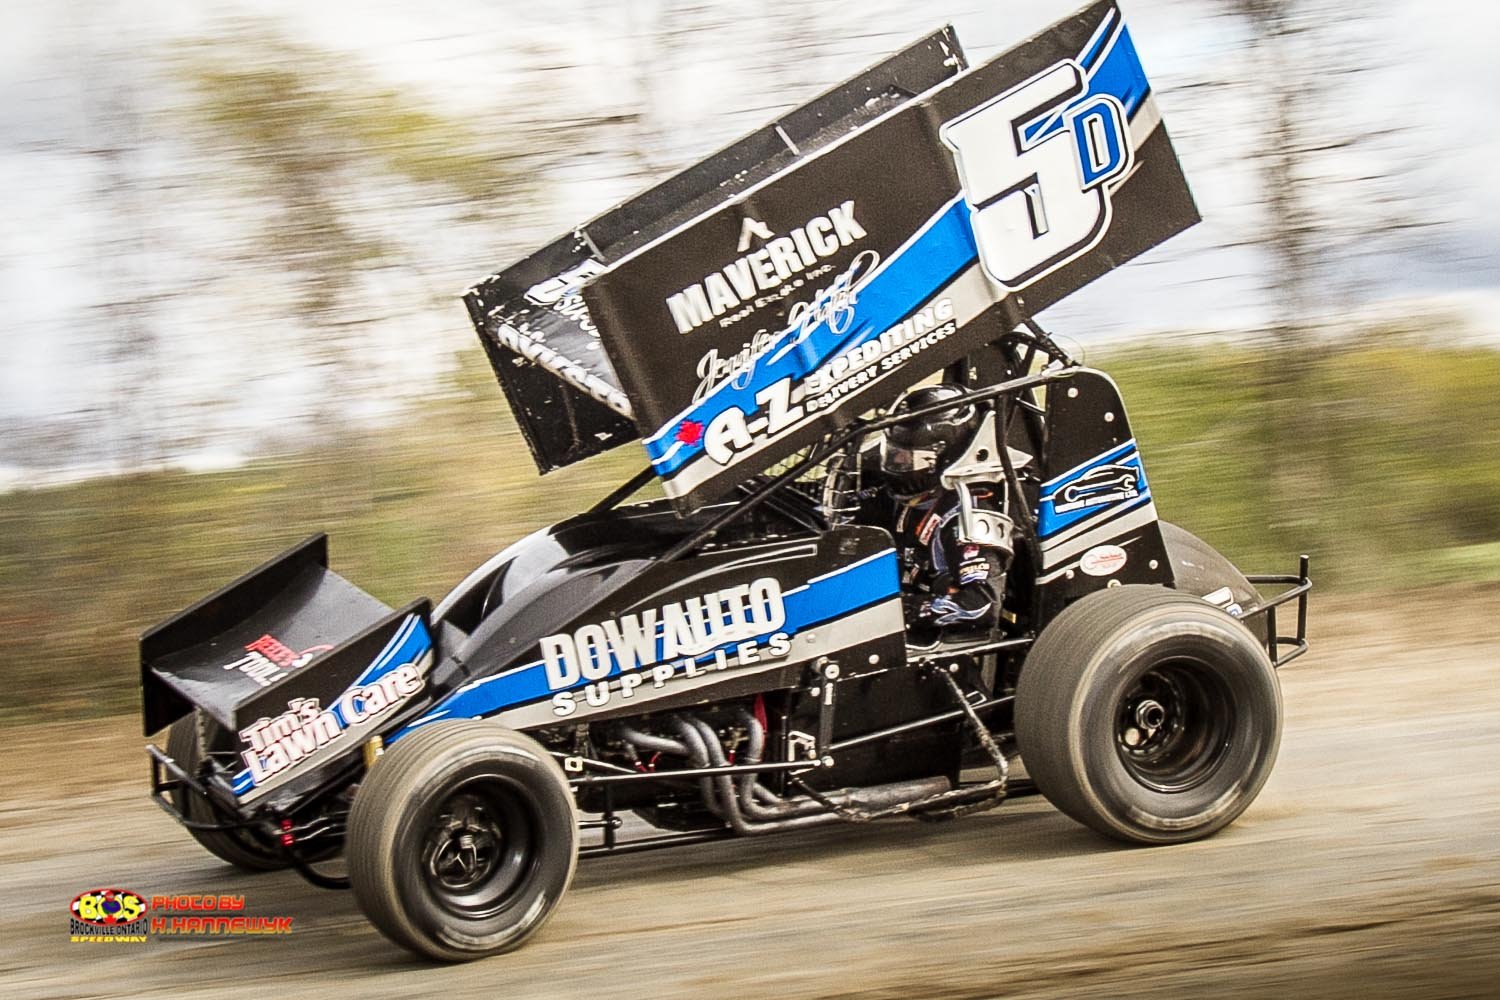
pixel 1173 727
pixel 479 848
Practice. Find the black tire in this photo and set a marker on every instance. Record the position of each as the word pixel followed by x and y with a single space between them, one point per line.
pixel 1124 657
pixel 415 877
pixel 238 847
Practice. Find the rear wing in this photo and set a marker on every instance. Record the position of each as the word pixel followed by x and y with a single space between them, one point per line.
pixel 768 295
pixel 291 627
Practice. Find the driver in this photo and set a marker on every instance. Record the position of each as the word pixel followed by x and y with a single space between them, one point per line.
pixel 947 582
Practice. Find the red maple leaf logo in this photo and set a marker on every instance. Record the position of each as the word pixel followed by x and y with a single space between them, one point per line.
pixel 690 432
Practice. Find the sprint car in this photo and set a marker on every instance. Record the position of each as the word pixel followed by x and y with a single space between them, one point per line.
pixel 733 658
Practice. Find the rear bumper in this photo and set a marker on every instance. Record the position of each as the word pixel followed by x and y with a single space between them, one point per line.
pixel 169 777
pixel 303 833
pixel 1283 649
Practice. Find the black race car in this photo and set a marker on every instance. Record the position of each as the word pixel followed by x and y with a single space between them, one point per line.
pixel 734 658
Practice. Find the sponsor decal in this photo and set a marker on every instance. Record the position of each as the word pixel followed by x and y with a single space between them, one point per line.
pixel 869 584
pixel 1224 598
pixel 782 258
pixel 681 628
pixel 560 335
pixel 1099 486
pixel 898 303
pixel 834 305
pixel 1108 484
pixel 529 344
pixel 848 372
pixel 276 744
pixel 1103 560
pixel 721 623
pixel 752 229
pixel 107 916
pixel 268 657
pixel 555 290
pixel 732 433
pixel 600 693
pixel 771 298
pixel 714 371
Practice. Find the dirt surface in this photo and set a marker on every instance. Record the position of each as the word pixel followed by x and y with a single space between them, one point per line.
pixel 1369 867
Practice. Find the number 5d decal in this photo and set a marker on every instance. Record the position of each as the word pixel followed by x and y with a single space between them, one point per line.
pixel 1034 162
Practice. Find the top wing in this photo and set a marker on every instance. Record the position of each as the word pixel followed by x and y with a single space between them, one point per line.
pixel 889 236
pixel 541 337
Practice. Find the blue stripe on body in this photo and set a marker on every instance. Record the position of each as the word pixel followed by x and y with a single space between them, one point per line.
pixel 1120 74
pixel 1111 67
pixel 409 644
pixel 942 249
pixel 1050 521
pixel 833 596
pixel 1103 35
pixel 382 662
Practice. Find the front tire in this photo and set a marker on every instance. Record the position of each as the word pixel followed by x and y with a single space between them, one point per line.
pixel 462 840
pixel 1148 715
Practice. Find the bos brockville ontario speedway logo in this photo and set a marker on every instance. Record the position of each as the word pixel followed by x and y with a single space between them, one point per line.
pixel 119 916
pixel 111 916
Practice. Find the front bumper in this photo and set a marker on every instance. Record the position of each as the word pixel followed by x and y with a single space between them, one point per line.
pixel 1283 649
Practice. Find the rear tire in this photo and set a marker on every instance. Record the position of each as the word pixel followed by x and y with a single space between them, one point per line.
pixel 462 840
pixel 1148 715
pixel 237 847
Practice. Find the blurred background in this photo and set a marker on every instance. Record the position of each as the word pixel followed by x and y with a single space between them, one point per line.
pixel 235 234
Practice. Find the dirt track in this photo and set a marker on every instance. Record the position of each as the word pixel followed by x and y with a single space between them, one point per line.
pixel 1369 867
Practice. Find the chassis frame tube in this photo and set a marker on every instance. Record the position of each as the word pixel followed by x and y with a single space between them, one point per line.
pixel 836 441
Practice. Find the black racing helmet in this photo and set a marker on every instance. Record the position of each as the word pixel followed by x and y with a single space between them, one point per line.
pixel 912 453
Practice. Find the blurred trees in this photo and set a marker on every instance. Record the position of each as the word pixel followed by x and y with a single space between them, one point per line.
pixel 126 304
pixel 1336 188
pixel 309 139
pixel 278 233
pixel 1338 174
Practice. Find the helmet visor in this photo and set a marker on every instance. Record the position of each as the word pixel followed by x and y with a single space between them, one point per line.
pixel 897 460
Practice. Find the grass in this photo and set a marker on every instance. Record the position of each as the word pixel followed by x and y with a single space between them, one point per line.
pixel 1379 460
